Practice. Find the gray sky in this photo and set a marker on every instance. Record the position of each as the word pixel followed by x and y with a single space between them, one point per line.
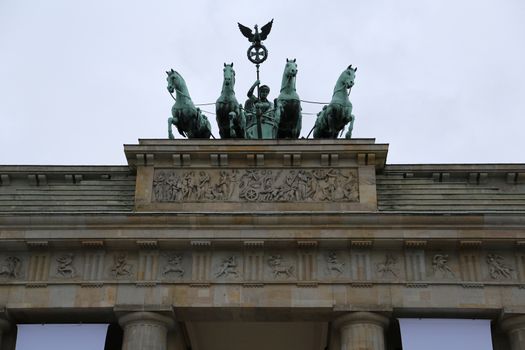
pixel 450 334
pixel 61 336
pixel 440 81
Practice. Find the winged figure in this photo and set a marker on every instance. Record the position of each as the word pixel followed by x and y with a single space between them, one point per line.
pixel 256 37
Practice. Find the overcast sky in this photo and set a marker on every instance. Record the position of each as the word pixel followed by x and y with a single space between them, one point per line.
pixel 440 81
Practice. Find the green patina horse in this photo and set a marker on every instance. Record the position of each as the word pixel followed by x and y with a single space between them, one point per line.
pixel 230 116
pixel 188 119
pixel 288 104
pixel 334 117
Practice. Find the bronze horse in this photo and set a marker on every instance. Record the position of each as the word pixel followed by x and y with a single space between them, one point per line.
pixel 229 114
pixel 288 104
pixel 188 119
pixel 334 117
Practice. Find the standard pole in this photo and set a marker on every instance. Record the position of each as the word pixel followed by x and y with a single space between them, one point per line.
pixel 257 111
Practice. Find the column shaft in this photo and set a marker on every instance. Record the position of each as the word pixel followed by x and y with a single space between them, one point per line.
pixel 514 326
pixel 145 331
pixel 362 331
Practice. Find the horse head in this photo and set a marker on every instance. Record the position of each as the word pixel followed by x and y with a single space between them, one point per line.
pixel 348 76
pixel 290 70
pixel 229 75
pixel 175 81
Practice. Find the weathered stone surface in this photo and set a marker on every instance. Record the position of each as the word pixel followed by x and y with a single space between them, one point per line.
pixel 411 240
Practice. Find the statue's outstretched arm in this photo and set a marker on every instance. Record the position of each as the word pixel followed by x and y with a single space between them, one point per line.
pixel 250 92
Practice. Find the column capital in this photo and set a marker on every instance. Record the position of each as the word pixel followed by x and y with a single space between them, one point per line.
pixel 360 317
pixel 513 322
pixel 146 317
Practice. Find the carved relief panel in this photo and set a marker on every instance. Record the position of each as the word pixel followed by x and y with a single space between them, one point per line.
pixel 499 266
pixel 12 267
pixel 256 185
pixel 65 266
pixel 121 266
pixel 228 266
pixel 334 265
pixel 255 266
pixel 388 266
pixel 442 266
pixel 280 266
pixel 174 266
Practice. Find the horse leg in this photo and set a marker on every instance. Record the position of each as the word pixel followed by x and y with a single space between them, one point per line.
pixel 277 114
pixel 298 126
pixel 242 122
pixel 205 130
pixel 331 116
pixel 232 117
pixel 170 131
pixel 350 127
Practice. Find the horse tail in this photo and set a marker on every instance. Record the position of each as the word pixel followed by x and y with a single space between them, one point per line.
pixel 170 131
pixel 348 134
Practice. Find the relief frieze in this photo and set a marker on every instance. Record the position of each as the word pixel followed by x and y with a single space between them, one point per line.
pixel 277 266
pixel 10 268
pixel 334 266
pixel 65 265
pixel 256 185
pixel 173 265
pixel 441 266
pixel 498 269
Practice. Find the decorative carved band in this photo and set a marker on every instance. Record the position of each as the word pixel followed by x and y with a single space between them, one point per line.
pixel 204 265
pixel 256 185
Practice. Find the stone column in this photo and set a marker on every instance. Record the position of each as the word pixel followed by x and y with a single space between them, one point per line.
pixel 514 326
pixel 362 331
pixel 145 331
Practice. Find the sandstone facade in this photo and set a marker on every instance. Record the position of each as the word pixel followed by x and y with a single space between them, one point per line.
pixel 195 243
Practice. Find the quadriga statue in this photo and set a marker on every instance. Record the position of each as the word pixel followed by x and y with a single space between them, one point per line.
pixel 334 117
pixel 188 119
pixel 230 115
pixel 288 104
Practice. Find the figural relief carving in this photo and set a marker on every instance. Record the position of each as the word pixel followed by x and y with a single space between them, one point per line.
pixel 228 268
pixel 333 264
pixel 121 267
pixel 11 266
pixel 279 267
pixel 440 265
pixel 388 266
pixel 256 185
pixel 173 265
pixel 497 268
pixel 65 265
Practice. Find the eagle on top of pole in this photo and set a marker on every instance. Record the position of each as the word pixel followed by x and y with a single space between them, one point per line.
pixel 257 54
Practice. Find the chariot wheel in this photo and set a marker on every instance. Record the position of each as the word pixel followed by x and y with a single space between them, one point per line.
pixel 251 195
